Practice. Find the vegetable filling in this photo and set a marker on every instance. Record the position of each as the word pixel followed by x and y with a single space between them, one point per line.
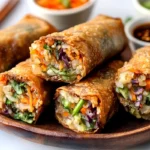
pixel 77 113
pixel 134 92
pixel 57 60
pixel 18 101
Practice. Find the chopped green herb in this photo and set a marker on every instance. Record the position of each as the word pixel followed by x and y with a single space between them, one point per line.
pixel 78 107
pixel 66 3
pixel 8 102
pixel 47 47
pixel 26 117
pixel 66 105
pixel 18 87
pixel 123 91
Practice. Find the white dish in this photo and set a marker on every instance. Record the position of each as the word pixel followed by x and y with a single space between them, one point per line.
pixel 130 26
pixel 63 19
pixel 140 9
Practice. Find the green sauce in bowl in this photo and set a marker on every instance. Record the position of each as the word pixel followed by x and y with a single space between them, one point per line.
pixel 145 3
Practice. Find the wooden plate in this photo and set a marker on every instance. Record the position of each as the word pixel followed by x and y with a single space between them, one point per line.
pixel 123 130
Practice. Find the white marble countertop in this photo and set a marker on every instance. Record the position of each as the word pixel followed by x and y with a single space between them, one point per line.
pixel 116 8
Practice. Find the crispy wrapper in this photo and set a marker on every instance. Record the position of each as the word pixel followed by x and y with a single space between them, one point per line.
pixel 133 84
pixel 98 88
pixel 37 95
pixel 15 40
pixel 90 43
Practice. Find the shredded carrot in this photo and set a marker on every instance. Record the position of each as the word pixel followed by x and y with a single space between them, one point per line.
pixel 61 65
pixel 33 51
pixel 83 110
pixel 61 4
pixel 3 79
pixel 147 84
pixel 24 100
pixel 30 100
pixel 133 96
pixel 35 101
pixel 65 114
pixel 44 68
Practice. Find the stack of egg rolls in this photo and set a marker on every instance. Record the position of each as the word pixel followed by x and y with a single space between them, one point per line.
pixel 70 55
pixel 85 107
pixel 133 84
pixel 15 40
pixel 22 94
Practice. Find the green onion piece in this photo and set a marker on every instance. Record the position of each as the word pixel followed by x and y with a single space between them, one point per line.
pixel 18 87
pixel 47 47
pixel 78 107
pixel 66 3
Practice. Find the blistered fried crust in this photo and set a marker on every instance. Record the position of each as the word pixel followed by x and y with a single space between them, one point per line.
pixel 140 63
pixel 100 84
pixel 23 73
pixel 15 40
pixel 96 40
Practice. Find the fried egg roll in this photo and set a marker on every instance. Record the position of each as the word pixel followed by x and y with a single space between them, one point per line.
pixel 15 40
pixel 70 55
pixel 85 107
pixel 133 84
pixel 22 94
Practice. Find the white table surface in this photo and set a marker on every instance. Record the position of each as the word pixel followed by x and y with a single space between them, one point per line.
pixel 116 8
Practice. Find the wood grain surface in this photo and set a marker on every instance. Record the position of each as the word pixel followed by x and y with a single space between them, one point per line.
pixel 7 9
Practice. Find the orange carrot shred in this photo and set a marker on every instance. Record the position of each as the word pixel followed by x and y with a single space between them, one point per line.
pixel 83 110
pixel 65 114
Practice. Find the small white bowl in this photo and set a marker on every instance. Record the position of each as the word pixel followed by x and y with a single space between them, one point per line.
pixel 134 43
pixel 140 9
pixel 63 19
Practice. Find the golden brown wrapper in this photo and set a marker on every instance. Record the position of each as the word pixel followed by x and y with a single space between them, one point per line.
pixel 23 73
pixel 140 63
pixel 15 40
pixel 99 84
pixel 96 41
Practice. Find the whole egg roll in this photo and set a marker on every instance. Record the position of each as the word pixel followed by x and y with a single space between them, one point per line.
pixel 22 94
pixel 133 84
pixel 15 40
pixel 85 107
pixel 70 55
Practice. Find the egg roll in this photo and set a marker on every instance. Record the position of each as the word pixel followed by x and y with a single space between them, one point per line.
pixel 87 106
pixel 70 55
pixel 22 94
pixel 15 40
pixel 133 84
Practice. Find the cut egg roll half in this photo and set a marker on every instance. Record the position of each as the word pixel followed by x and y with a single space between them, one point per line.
pixel 70 55
pixel 22 94
pixel 133 84
pixel 87 106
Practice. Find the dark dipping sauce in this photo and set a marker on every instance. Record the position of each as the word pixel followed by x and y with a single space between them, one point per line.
pixel 142 32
